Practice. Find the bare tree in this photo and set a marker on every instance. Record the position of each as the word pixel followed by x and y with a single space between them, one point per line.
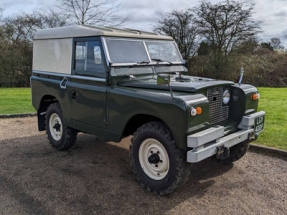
pixel 224 25
pixel 247 46
pixel 267 45
pixel 91 12
pixel 16 35
pixel 16 48
pixel 49 18
pixel 180 26
pixel 276 43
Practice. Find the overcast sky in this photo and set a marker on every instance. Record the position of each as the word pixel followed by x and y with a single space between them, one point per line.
pixel 271 14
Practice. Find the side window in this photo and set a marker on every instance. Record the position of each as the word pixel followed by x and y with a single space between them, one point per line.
pixel 80 50
pixel 88 58
pixel 80 55
pixel 97 55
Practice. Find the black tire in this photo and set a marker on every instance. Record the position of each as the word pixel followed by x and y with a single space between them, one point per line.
pixel 69 135
pixel 236 152
pixel 178 171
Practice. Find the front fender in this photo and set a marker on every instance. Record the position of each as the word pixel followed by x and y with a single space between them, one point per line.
pixel 124 103
pixel 241 102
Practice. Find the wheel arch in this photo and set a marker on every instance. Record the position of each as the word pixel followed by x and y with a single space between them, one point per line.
pixel 138 120
pixel 46 100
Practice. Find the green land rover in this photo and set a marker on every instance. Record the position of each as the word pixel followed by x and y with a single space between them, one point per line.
pixel 118 82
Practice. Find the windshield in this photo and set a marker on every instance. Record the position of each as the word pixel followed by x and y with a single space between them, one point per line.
pixel 165 51
pixel 125 51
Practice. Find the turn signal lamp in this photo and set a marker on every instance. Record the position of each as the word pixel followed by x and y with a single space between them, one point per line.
pixel 198 110
pixel 195 111
pixel 256 96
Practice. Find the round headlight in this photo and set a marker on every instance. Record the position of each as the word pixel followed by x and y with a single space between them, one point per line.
pixel 193 111
pixel 226 97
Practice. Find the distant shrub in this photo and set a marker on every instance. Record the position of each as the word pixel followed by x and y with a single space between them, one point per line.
pixel 263 68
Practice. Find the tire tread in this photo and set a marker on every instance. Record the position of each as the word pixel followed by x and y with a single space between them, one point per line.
pixel 182 167
pixel 70 135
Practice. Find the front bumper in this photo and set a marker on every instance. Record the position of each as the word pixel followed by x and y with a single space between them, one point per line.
pixel 207 142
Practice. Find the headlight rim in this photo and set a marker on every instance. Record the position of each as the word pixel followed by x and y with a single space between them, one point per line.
pixel 226 96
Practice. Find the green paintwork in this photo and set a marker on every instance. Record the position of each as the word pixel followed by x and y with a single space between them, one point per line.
pixel 105 108
pixel 89 104
pixel 196 84
pixel 97 102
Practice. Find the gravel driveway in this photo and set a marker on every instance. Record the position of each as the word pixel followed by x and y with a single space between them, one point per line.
pixel 94 177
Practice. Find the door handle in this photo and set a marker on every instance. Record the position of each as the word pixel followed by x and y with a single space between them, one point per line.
pixel 63 83
pixel 74 94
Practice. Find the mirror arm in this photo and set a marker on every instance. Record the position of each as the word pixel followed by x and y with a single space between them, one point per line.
pixel 166 78
pixel 171 93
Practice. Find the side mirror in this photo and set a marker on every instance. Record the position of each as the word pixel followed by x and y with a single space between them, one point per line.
pixel 184 62
pixel 163 79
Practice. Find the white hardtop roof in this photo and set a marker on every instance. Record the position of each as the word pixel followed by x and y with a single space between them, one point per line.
pixel 89 31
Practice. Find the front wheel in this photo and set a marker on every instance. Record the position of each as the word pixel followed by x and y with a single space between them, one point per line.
pixel 158 164
pixel 60 136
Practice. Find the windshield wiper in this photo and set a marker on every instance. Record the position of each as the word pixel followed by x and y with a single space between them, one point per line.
pixel 160 60
pixel 139 63
pixel 142 62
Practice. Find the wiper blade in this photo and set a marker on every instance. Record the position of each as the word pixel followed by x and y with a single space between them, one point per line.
pixel 139 63
pixel 142 62
pixel 160 60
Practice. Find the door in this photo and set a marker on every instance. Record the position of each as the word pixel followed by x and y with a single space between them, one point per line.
pixel 87 86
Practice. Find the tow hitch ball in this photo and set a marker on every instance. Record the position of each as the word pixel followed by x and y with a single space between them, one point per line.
pixel 253 136
pixel 222 152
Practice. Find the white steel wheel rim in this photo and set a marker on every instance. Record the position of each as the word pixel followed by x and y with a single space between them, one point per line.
pixel 156 171
pixel 55 125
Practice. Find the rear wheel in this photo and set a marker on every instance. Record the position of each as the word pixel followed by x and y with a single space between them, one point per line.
pixel 236 152
pixel 60 136
pixel 159 165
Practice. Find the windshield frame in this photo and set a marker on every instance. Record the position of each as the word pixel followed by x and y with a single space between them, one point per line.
pixel 143 40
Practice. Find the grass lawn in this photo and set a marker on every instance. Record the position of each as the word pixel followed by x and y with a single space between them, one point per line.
pixel 273 101
pixel 15 100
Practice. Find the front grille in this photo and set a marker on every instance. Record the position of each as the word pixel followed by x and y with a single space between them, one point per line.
pixel 217 112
